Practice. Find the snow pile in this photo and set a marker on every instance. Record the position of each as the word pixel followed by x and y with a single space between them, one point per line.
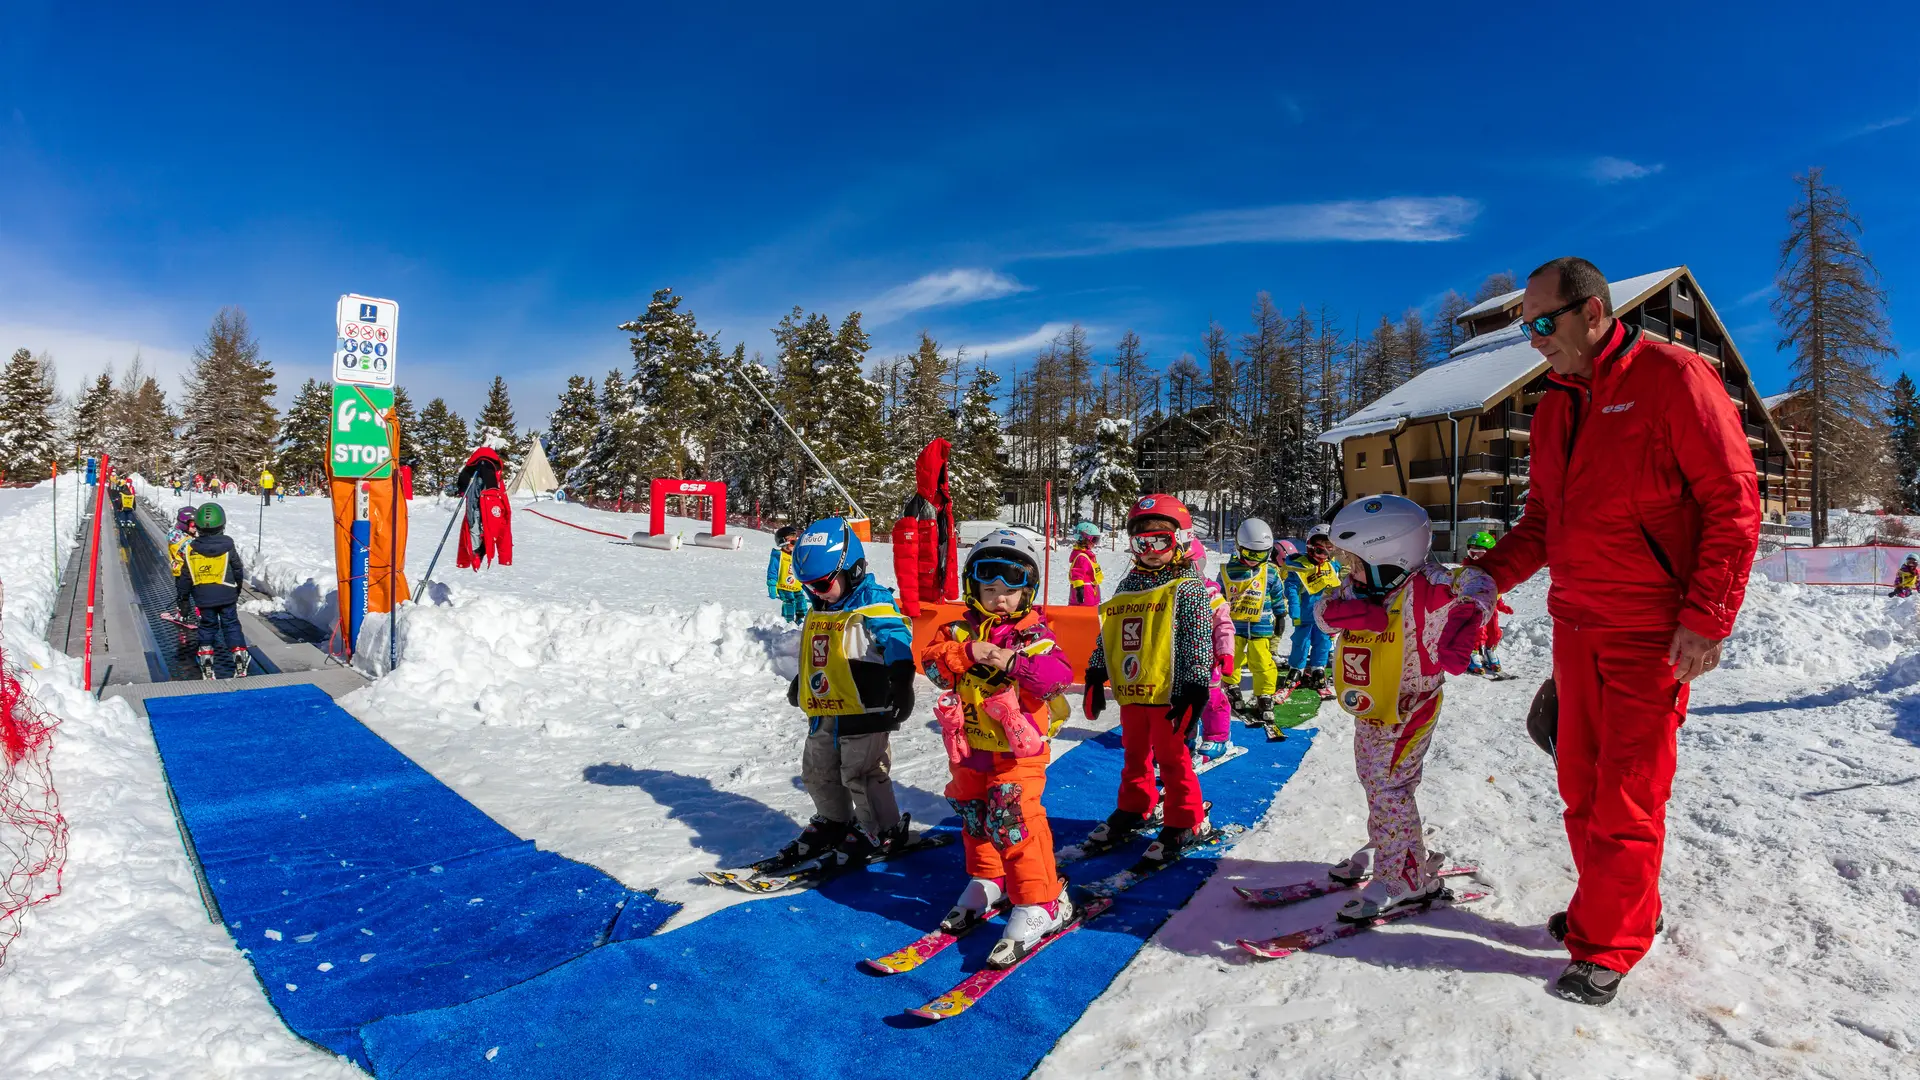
pixel 122 974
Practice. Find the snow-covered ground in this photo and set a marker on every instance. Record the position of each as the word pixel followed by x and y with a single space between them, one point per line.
pixel 624 706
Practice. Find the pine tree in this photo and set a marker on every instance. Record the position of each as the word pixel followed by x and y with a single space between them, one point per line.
pixel 672 375
pixel 1103 468
pixel 229 415
pixel 28 444
pixel 444 444
pixel 410 444
pixel 758 453
pixel 849 420
pixel 1903 437
pixel 1446 331
pixel 1497 284
pixel 1136 388
pixel 1832 315
pixel 920 411
pixel 1379 363
pixel 611 469
pixel 305 432
pixel 496 427
pixel 141 426
pixel 93 416
pixel 979 441
pixel 572 426
pixel 1416 347
pixel 1229 451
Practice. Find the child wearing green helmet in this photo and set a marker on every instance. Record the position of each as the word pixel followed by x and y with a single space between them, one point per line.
pixel 1483 662
pixel 212 571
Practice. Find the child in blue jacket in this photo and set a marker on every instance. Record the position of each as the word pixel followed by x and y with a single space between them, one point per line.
pixel 781 584
pixel 1309 576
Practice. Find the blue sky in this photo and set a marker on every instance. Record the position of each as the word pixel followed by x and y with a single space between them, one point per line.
pixel 521 177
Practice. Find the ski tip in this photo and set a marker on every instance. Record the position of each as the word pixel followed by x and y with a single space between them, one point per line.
pixel 1263 950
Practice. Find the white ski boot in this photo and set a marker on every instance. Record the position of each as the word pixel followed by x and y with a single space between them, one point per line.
pixel 204 657
pixel 1027 926
pixel 1353 869
pixel 977 901
pixel 241 659
pixel 1388 892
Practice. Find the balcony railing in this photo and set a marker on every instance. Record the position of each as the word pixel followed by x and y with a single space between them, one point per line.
pixel 1472 467
pixel 1769 467
pixel 1512 421
pixel 1474 513
pixel 1735 391
pixel 1709 349
pixel 1756 434
pixel 1650 321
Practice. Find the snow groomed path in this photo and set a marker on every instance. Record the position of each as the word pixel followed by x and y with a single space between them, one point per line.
pixel 774 988
pixel 357 884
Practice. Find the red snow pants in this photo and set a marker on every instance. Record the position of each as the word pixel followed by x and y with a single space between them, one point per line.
pixel 1147 736
pixel 1620 715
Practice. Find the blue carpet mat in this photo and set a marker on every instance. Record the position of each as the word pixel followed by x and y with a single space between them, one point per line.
pixel 357 884
pixel 773 987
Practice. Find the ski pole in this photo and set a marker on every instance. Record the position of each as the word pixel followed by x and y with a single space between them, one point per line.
pixel 472 485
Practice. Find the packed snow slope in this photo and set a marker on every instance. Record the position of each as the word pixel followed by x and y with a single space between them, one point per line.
pixel 625 707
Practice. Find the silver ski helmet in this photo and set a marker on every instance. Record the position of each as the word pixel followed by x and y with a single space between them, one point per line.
pixel 1254 535
pixel 1387 535
pixel 1004 555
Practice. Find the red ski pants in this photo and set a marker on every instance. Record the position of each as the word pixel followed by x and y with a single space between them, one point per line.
pixel 1620 715
pixel 1146 737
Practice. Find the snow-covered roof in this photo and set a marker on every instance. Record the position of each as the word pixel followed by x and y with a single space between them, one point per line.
pixel 1497 362
pixel 1774 401
pixel 1625 292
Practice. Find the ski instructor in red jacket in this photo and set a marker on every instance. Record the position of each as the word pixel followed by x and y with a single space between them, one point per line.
pixel 1643 506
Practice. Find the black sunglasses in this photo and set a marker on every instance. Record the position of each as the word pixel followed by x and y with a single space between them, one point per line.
pixel 1542 325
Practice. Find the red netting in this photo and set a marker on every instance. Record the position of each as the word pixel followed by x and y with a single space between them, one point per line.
pixel 33 835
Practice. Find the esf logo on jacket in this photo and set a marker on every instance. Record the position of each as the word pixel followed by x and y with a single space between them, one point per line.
pixel 818 683
pixel 1130 667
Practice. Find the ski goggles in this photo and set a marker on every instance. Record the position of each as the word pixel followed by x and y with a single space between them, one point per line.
pixel 1008 572
pixel 1150 543
pixel 821 584
pixel 1542 325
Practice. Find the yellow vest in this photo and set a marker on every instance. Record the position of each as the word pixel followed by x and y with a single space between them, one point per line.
pixel 783 579
pixel 207 569
pixel 1318 577
pixel 983 731
pixel 1136 631
pixel 1247 597
pixel 177 553
pixel 266 481
pixel 1368 674
pixel 826 680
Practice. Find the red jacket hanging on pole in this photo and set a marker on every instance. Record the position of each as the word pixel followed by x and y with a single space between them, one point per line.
pixel 926 564
pixel 486 525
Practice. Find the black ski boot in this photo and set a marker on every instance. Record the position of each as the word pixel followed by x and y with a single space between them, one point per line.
pixel 1263 708
pixel 1173 843
pixel 1588 983
pixel 1119 825
pixel 816 840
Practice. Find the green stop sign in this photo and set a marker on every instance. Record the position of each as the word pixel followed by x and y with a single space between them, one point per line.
pixel 360 447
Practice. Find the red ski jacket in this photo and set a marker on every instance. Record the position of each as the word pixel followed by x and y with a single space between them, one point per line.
pixel 1642 502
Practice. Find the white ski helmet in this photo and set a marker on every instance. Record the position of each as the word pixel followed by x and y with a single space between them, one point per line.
pixel 1254 535
pixel 1005 544
pixel 1322 529
pixel 1390 535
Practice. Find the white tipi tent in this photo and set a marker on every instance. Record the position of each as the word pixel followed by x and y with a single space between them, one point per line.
pixel 535 475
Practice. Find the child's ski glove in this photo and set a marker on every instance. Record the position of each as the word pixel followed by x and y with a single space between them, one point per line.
pixel 1189 701
pixel 1457 637
pixel 901 705
pixel 1096 700
pixel 793 692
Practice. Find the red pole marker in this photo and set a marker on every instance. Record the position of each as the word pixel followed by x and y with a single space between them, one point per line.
pixel 93 569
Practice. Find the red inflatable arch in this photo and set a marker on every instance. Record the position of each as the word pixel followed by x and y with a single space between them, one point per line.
pixel 713 490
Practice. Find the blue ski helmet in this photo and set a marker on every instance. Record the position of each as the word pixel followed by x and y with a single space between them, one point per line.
pixel 826 546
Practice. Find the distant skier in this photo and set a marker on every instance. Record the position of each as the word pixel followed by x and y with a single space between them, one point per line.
pixel 1083 567
pixel 1156 639
pixel 122 502
pixel 1256 592
pixel 1484 662
pixel 1393 660
pixel 1005 673
pixel 856 687
pixel 1908 578
pixel 213 571
pixel 781 584
pixel 1212 737
pixel 1310 575
pixel 179 539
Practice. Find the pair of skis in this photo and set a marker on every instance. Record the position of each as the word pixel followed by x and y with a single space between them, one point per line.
pixel 813 872
pixel 1315 936
pixel 1299 706
pixel 1095 900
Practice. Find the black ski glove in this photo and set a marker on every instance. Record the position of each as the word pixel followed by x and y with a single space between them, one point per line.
pixel 901 690
pixel 1543 719
pixel 1189 701
pixel 793 692
pixel 1096 699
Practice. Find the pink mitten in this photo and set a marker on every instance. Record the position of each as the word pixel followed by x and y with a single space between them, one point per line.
pixel 953 731
pixel 1458 636
pixel 1353 613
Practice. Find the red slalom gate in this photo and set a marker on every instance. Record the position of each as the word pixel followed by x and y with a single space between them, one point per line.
pixel 93 568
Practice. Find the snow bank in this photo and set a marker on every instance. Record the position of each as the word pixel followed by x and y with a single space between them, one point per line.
pixel 121 975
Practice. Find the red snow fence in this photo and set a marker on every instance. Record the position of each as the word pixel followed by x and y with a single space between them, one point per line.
pixel 1867 565
pixel 33 835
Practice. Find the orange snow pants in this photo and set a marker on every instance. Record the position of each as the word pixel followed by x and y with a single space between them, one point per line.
pixel 1620 716
pixel 1005 828
pixel 1146 738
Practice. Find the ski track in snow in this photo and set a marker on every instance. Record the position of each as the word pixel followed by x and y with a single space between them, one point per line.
pixel 626 707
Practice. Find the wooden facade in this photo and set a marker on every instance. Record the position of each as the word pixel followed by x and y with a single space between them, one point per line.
pixel 1468 464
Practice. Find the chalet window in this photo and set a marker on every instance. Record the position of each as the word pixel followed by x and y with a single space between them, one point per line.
pixel 1360 460
pixel 1386 456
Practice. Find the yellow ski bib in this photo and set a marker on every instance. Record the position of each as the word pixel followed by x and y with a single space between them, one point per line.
pixel 1318 577
pixel 1247 597
pixel 826 681
pixel 207 569
pixel 1136 630
pixel 983 731
pixel 783 579
pixel 1368 674
pixel 177 554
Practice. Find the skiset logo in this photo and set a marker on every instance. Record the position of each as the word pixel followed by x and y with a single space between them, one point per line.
pixel 1132 631
pixel 818 647
pixel 1356 666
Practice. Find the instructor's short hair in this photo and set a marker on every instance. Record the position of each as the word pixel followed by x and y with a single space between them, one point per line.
pixel 1578 279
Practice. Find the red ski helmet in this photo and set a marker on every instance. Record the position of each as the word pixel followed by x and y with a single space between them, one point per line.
pixel 1163 506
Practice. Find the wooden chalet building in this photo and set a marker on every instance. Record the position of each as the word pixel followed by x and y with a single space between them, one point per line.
pixel 1789 411
pixel 1455 438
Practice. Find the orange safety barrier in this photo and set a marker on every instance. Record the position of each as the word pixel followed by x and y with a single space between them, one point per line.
pixel 1076 628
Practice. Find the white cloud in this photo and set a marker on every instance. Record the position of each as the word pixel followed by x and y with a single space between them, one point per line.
pixel 1877 125
pixel 1415 219
pixel 80 355
pixel 1024 343
pixel 1612 170
pixel 960 285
